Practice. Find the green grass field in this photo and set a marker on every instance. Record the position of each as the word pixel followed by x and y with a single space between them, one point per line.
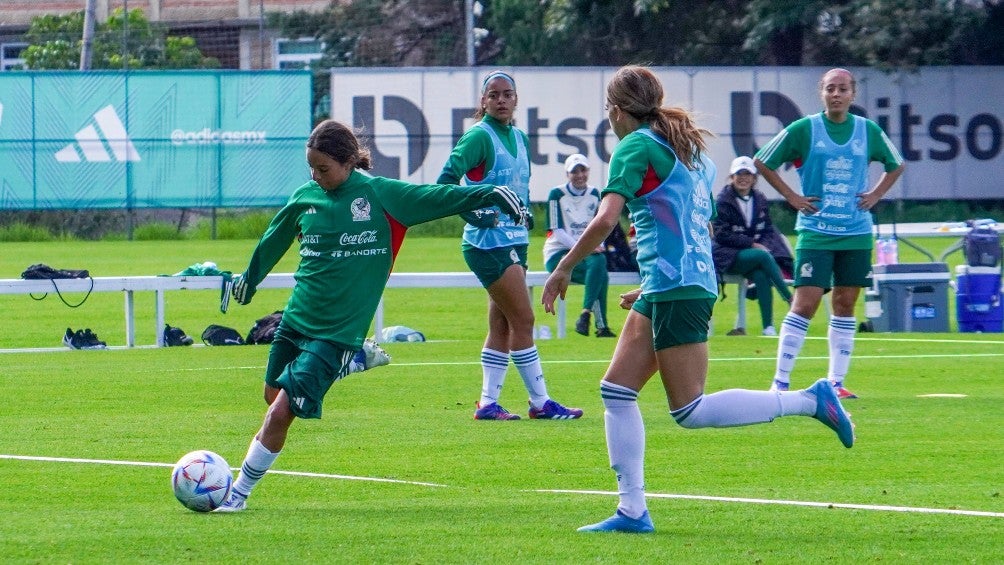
pixel 398 472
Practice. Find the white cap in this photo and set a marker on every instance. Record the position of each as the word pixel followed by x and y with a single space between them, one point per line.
pixel 574 161
pixel 742 164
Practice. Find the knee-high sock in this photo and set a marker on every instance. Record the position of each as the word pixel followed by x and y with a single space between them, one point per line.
pixel 493 368
pixel 740 407
pixel 626 445
pixel 789 344
pixel 528 364
pixel 257 461
pixel 841 339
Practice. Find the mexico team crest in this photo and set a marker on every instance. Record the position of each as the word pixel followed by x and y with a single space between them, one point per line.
pixel 360 210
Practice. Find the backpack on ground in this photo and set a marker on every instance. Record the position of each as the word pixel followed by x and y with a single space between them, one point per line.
pixel 263 330
pixel 221 335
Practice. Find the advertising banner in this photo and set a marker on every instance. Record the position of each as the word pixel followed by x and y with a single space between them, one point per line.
pixel 145 139
pixel 948 122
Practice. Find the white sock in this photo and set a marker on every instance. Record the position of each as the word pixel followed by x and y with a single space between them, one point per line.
pixel 789 344
pixel 741 407
pixel 256 463
pixel 841 339
pixel 493 368
pixel 528 364
pixel 625 445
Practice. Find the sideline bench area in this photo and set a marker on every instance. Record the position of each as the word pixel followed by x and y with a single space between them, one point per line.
pixel 159 285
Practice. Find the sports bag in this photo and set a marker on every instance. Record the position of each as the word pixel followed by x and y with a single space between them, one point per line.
pixel 221 335
pixel 263 330
pixel 983 247
pixel 41 271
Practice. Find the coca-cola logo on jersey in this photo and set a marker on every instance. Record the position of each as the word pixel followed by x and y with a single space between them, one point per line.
pixel 368 236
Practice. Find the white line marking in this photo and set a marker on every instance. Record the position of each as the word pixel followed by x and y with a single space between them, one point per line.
pixel 271 471
pixel 849 506
pixel 942 395
pixel 875 507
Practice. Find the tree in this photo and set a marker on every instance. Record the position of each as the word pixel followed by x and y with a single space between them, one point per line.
pixel 123 42
pixel 888 34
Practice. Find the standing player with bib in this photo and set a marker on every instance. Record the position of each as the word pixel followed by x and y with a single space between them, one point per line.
pixel 659 171
pixel 832 151
pixel 494 151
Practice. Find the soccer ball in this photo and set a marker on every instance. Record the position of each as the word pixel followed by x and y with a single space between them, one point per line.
pixel 201 480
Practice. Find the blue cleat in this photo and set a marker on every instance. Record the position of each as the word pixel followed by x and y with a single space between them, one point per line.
pixel 493 412
pixel 551 410
pixel 621 523
pixel 830 412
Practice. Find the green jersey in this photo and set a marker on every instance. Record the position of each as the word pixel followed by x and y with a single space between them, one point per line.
pixel 348 240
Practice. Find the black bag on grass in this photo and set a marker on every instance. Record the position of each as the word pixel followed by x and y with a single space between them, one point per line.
pixel 263 330
pixel 221 335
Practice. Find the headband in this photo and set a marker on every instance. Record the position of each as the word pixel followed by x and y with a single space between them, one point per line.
pixel 497 74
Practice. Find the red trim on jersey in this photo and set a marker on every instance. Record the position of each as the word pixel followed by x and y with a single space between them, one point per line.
pixel 477 174
pixel 649 182
pixel 397 232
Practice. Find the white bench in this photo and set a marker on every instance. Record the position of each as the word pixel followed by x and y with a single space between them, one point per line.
pixel 160 285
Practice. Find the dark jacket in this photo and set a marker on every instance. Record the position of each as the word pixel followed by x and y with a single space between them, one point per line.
pixel 732 235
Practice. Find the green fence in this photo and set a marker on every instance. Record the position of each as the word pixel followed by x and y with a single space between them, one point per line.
pixel 164 139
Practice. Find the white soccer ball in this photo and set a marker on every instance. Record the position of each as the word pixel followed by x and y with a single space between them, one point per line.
pixel 201 480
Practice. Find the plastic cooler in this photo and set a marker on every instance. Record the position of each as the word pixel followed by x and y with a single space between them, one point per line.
pixel 908 297
pixel 979 302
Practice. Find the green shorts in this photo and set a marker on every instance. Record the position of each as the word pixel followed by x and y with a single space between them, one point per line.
pixel 305 368
pixel 489 264
pixel 677 322
pixel 827 268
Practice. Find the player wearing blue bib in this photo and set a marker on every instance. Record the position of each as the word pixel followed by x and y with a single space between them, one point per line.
pixel 659 170
pixel 832 150
pixel 495 151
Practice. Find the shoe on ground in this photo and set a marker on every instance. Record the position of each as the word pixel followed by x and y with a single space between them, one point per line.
pixel 551 410
pixel 174 337
pixel 91 341
pixel 370 356
pixel 621 523
pixel 843 393
pixel 830 412
pixel 582 324
pixel 70 339
pixel 605 332
pixel 777 385
pixel 770 331
pixel 493 412
pixel 737 331
pixel 233 503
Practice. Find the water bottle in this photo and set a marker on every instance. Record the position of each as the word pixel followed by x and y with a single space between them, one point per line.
pixel 887 251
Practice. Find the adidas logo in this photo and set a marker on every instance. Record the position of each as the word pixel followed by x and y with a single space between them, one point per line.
pixel 92 143
pixel 311 210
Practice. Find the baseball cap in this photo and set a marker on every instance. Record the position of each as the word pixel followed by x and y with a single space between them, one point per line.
pixel 574 161
pixel 742 164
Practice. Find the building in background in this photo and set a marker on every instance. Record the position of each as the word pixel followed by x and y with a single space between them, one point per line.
pixel 232 31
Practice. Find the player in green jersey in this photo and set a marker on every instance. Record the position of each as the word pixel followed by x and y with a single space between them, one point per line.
pixel 832 150
pixel 349 226
pixel 494 246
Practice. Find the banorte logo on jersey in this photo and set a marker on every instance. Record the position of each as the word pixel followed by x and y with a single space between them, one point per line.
pixel 361 238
